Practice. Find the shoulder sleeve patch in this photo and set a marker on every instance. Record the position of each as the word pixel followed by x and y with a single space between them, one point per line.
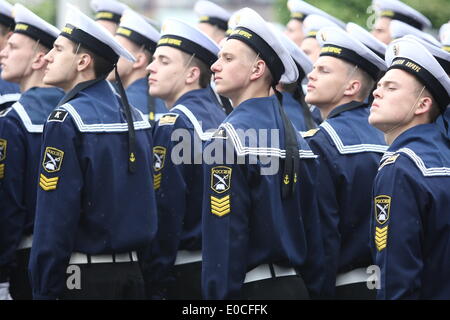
pixel 168 119
pixel 52 159
pixel 3 144
pixel 309 133
pixel 58 115
pixel 389 160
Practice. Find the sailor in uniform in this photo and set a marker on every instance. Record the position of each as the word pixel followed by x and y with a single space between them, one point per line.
pixel 20 141
pixel 260 214
pixel 411 198
pixel 95 202
pixel 180 75
pixel 349 150
pixel 108 13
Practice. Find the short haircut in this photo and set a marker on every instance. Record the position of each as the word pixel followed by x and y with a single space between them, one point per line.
pixel 102 67
pixel 205 72
pixel 367 82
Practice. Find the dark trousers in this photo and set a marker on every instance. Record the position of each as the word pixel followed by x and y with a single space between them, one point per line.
pixel 280 288
pixel 19 281
pixel 355 291
pixel 187 284
pixel 107 281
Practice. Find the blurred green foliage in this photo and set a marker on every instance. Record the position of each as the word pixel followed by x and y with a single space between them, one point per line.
pixel 46 9
pixel 438 11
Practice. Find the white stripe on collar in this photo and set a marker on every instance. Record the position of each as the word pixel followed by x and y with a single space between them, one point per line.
pixel 356 148
pixel 427 172
pixel 275 152
pixel 9 97
pixel 198 128
pixel 102 127
pixel 32 128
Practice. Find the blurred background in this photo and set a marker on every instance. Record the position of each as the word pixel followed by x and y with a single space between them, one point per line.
pixel 358 11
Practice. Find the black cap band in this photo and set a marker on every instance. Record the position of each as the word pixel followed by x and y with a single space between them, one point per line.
pixel 401 17
pixel 426 78
pixel 301 73
pixel 35 33
pixel 189 47
pixel 137 38
pixel 219 23
pixel 89 42
pixel 7 21
pixel 352 57
pixel 108 16
pixel 261 47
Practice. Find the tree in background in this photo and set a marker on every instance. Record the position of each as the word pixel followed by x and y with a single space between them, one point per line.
pixel 358 11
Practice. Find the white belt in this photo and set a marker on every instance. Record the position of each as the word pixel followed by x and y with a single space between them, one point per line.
pixel 186 256
pixel 82 258
pixel 25 243
pixel 354 276
pixel 262 272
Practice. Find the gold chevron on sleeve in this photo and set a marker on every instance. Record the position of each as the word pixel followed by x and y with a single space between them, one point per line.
pixel 48 184
pixel 2 171
pixel 381 237
pixel 157 181
pixel 220 206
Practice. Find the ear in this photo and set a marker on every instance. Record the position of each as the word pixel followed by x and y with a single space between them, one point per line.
pixel 141 60
pixel 38 61
pixel 84 61
pixel 352 88
pixel 424 105
pixel 258 70
pixel 193 74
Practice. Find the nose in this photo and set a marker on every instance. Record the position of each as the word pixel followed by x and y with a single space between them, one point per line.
pixel 215 66
pixel 48 56
pixel 312 75
pixel 3 53
pixel 151 67
pixel 377 92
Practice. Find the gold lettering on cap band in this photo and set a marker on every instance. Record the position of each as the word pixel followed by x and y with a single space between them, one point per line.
pixel 175 42
pixel 67 30
pixel 297 15
pixel 203 18
pixel 387 13
pixel 412 66
pixel 104 15
pixel 331 50
pixel 243 33
pixel 124 32
pixel 21 26
pixel 311 34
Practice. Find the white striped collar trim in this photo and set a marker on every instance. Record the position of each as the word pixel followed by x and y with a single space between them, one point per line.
pixel 198 128
pixel 274 152
pixel 356 148
pixel 32 128
pixel 9 97
pixel 101 127
pixel 427 172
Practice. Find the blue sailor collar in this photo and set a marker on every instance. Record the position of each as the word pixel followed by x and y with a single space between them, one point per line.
pixel 426 146
pixel 346 107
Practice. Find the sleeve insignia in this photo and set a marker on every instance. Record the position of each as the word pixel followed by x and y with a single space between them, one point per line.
pixel 48 184
pixel 381 237
pixel 159 156
pixel 221 133
pixel 309 133
pixel 168 119
pixel 220 206
pixel 2 171
pixel 382 208
pixel 157 181
pixel 58 115
pixel 389 160
pixel 3 144
pixel 220 179
pixel 52 159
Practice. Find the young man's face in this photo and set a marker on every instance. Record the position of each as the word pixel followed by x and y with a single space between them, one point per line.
pixel 167 73
pixel 294 30
pixel 395 97
pixel 16 57
pixel 327 81
pixel 124 66
pixel 381 30
pixel 233 68
pixel 61 69
pixel 311 48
